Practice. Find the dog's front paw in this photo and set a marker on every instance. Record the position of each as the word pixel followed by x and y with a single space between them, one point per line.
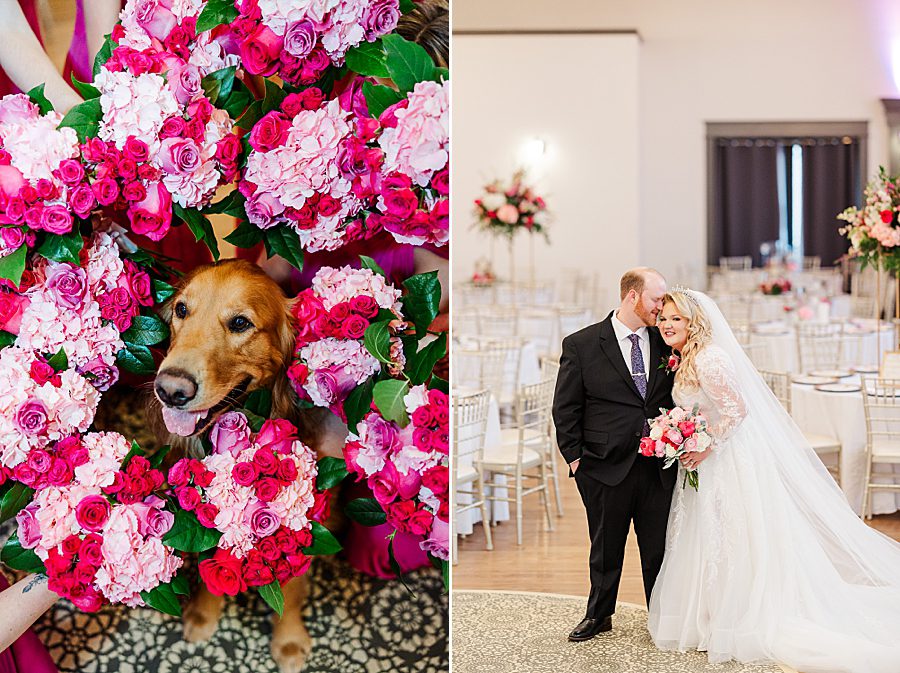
pixel 291 645
pixel 201 617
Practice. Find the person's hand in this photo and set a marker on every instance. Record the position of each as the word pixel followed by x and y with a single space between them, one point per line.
pixel 692 459
pixel 574 465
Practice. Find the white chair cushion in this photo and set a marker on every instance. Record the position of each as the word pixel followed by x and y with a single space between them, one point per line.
pixel 503 458
pixel 822 443
pixel 465 474
pixel 885 448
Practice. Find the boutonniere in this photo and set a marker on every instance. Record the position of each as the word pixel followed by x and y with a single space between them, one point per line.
pixel 671 363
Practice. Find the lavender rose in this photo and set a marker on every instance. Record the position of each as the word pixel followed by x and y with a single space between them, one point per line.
pixel 300 38
pixel 153 521
pixel 29 528
pixel 230 433
pixel 68 283
pixel 187 82
pixel 31 418
pixel 101 375
pixel 263 521
pixel 180 155
pixel 381 18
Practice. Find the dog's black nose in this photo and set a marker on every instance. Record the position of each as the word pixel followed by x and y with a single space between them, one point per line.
pixel 175 387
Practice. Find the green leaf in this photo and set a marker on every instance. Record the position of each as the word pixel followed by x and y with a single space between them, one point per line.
pixel 38 98
pixel 164 599
pixel 332 471
pixel 200 226
pixel 396 566
pixel 377 340
pixel 104 54
pixel 156 460
pixel 236 104
pixel 15 499
pixel 233 205
pixel 146 330
pixel 422 301
pixel 271 593
pixel 218 85
pixel 420 365
pixel 368 58
pixel 60 361
pixel 260 402
pixel 366 511
pixel 13 265
pixel 135 450
pixel 6 339
pixel 215 14
pixel 188 534
pixel 86 90
pixel 371 265
pixel 246 235
pixel 136 359
pixel 180 585
pixel 161 290
pixel 358 403
pixel 324 543
pixel 255 421
pixel 380 98
pixel 407 62
pixel 388 396
pixel 445 572
pixel 437 383
pixel 62 247
pixel 283 241
pixel 84 118
pixel 406 6
pixel 17 557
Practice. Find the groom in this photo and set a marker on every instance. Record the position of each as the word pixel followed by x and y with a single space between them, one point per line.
pixel 609 384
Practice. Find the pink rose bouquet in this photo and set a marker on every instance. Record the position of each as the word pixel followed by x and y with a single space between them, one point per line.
pixel 674 433
pixel 43 187
pixel 258 490
pixel 99 535
pixel 406 466
pixel 332 318
pixel 299 41
pixel 414 195
pixel 775 287
pixel 509 209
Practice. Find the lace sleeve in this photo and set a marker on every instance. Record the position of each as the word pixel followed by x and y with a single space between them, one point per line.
pixel 719 382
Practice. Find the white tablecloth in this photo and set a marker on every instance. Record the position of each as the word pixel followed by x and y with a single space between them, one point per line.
pixel 841 415
pixel 465 369
pixel 781 348
pixel 499 511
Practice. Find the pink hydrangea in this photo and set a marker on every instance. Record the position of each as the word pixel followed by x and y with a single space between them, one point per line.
pixel 334 286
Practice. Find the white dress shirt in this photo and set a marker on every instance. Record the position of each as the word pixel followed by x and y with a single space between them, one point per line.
pixel 622 334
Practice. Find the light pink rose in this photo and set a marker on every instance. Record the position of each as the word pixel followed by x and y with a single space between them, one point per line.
pixel 185 80
pixel 508 214
pixel 263 208
pixel 152 217
pixel 68 284
pixel 156 17
pixel 438 540
pixel 230 434
pixel 179 155
pixel 690 444
pixel 29 528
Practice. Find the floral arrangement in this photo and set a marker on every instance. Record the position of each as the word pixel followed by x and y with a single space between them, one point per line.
pixel 258 492
pixel 99 529
pixel 333 316
pixel 775 287
pixel 406 466
pixel 299 41
pixel 509 209
pixel 674 433
pixel 873 230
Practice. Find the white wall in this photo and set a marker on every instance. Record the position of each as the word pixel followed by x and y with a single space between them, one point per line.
pixel 511 88
pixel 700 61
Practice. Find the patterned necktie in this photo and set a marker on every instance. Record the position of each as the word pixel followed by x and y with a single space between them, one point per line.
pixel 637 365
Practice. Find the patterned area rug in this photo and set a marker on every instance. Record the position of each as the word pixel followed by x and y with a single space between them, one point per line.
pixel 512 632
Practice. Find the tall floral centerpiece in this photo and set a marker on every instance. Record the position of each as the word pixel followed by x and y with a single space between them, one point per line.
pixel 874 232
pixel 505 210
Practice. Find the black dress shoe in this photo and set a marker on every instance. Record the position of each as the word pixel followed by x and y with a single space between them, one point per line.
pixel 588 628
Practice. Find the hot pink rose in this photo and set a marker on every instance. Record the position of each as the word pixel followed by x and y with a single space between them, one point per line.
pixel 106 191
pixel 82 200
pixel 260 52
pixel 244 473
pixel 11 307
pixel 278 435
pixel 269 132
pixel 687 428
pixel 152 217
pixel 56 219
pixel 92 512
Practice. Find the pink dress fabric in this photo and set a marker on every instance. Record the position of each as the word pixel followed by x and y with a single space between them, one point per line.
pixel 27 654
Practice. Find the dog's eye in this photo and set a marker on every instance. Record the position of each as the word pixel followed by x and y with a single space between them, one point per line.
pixel 239 324
pixel 181 310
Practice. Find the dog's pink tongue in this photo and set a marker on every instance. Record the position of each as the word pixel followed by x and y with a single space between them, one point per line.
pixel 181 422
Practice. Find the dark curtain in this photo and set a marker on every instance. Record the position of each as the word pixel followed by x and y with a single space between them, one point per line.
pixel 831 183
pixel 746 198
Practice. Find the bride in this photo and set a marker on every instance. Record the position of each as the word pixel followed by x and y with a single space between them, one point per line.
pixel 766 561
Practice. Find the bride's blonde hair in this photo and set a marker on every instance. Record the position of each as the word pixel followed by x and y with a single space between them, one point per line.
pixel 699 334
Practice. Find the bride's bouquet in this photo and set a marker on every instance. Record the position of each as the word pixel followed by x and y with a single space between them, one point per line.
pixel 674 433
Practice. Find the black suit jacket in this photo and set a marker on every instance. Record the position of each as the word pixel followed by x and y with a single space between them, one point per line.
pixel 597 409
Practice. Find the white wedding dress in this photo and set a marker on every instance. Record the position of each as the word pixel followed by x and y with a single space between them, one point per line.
pixel 767 561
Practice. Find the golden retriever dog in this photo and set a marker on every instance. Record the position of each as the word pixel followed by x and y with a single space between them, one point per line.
pixel 231 334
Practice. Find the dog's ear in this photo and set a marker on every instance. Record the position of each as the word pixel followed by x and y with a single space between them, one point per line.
pixel 287 332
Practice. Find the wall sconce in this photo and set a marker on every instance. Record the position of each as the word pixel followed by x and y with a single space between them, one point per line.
pixel 533 151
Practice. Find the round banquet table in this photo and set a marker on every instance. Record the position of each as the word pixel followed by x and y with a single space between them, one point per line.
pixel 841 415
pixel 465 369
